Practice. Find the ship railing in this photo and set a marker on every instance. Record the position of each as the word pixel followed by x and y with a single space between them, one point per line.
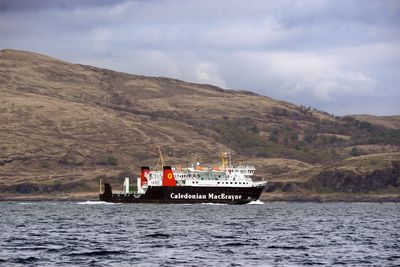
pixel 243 166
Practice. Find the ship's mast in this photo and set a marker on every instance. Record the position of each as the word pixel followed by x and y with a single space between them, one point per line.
pixel 226 160
pixel 160 161
pixel 223 160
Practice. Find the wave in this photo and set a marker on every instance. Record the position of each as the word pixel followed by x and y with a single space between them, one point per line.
pixel 218 204
pixel 25 260
pixel 158 235
pixel 289 247
pixel 97 253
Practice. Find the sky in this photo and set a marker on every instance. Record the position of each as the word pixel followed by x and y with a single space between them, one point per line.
pixel 339 56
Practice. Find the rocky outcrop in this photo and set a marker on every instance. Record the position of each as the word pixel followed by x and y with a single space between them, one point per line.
pixel 354 182
pixel 35 188
pixel 342 180
pixel 285 187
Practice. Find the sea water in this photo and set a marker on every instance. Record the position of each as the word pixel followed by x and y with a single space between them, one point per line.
pixel 270 234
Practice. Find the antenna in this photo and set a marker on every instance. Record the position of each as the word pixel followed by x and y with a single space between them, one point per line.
pixel 230 158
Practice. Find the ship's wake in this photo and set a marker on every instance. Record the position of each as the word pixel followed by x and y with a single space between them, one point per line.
pixel 257 202
pixel 89 202
pixel 215 204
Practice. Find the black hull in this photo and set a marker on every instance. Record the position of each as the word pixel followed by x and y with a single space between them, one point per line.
pixel 186 194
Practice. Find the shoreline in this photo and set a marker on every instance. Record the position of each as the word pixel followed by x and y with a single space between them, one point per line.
pixel 51 197
pixel 265 197
pixel 327 198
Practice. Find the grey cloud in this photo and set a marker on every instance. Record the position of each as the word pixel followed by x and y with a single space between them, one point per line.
pixel 35 5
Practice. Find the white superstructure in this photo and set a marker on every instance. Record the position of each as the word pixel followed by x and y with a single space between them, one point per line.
pixel 224 175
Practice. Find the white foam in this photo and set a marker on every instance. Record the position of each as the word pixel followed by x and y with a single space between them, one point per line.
pixel 214 204
pixel 257 202
pixel 95 203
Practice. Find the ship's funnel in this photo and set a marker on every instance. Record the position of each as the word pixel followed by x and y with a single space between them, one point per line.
pixel 143 172
pixel 126 185
pixel 168 177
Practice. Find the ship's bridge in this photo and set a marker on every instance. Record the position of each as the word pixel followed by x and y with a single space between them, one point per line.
pixel 242 169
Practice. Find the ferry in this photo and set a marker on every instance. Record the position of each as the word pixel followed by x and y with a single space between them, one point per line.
pixel 224 183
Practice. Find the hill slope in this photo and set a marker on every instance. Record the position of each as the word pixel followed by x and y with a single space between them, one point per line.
pixel 63 125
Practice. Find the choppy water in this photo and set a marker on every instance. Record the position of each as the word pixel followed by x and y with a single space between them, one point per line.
pixel 98 234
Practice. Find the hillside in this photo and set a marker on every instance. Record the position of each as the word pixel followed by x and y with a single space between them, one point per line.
pixel 64 125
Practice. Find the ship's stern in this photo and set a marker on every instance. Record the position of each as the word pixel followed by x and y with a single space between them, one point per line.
pixel 107 193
